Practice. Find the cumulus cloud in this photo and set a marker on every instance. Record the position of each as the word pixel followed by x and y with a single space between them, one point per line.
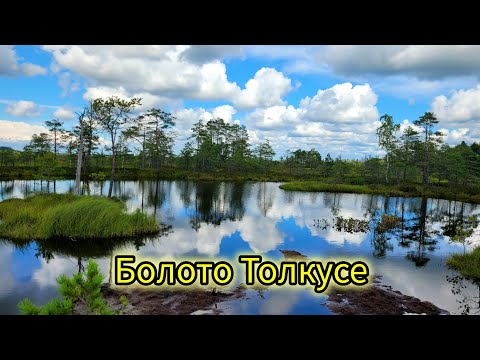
pixel 224 112
pixel 64 114
pixel 459 114
pixel 159 70
pixel 23 108
pixel 342 103
pixel 400 70
pixel 267 88
pixel 339 119
pixel 462 107
pixel 274 118
pixel 10 65
pixel 421 61
pixel 167 73
pixel 427 62
pixel 18 130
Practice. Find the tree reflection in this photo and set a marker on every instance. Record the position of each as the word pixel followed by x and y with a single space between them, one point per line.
pixel 371 206
pixel 381 244
pixel 264 198
pixel 469 302
pixel 83 250
pixel 6 188
pixel 214 203
pixel 418 232
pixel 332 201
pixel 453 218
pixel 156 194
pixel 385 228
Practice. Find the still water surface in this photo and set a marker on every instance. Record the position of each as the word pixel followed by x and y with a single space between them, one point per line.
pixel 213 219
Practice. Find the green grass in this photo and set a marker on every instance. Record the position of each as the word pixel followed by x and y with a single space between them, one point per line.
pixel 439 192
pixel 50 216
pixel 468 264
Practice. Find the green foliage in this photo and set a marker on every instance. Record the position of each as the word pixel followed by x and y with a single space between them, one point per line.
pixel 468 264
pixel 429 143
pixel 53 307
pixel 403 190
pixel 100 176
pixel 112 114
pixel 48 168
pixel 462 233
pixel 49 216
pixel 218 150
pixel 123 301
pixel 26 307
pixel 220 145
pixel 56 130
pixel 83 288
pixel 387 139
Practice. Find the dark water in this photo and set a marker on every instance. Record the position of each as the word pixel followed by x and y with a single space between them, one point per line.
pixel 224 219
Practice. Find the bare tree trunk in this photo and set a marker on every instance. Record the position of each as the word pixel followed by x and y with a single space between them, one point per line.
pixel 112 176
pixel 143 149
pixel 388 169
pixel 78 171
pixel 55 142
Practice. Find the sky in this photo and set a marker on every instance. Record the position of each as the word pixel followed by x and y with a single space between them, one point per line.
pixel 326 97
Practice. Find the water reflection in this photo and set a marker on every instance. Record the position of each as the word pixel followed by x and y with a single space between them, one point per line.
pixel 210 219
pixel 468 295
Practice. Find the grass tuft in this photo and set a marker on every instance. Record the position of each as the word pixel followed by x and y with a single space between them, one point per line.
pixel 395 191
pixel 50 216
pixel 467 264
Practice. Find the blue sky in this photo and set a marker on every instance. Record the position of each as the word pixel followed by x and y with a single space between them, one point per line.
pixel 324 97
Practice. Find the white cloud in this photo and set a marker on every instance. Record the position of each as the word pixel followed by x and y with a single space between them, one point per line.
pixel 18 130
pixel 405 87
pixel 166 74
pixel 420 61
pixel 267 88
pixel 23 108
pixel 64 114
pixel 158 70
pixel 8 60
pixel 274 117
pixel 10 66
pixel 431 62
pixel 463 106
pixel 224 112
pixel 459 113
pixel 340 119
pixel 32 69
pixel 342 103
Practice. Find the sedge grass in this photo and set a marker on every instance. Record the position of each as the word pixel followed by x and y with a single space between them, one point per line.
pixel 48 216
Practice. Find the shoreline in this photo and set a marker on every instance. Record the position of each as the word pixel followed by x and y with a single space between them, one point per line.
pixel 377 300
pixel 441 193
pixel 289 184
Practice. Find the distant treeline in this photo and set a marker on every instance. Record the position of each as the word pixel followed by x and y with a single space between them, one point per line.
pixel 145 142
